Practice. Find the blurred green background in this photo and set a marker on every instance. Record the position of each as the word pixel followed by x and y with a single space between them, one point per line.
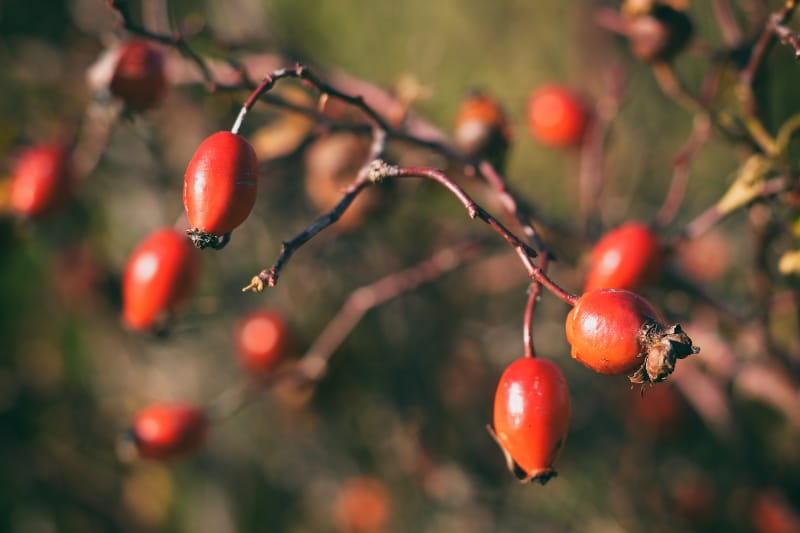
pixel 410 391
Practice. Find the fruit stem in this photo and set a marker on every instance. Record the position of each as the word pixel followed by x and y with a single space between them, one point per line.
pixel 525 252
pixel 527 322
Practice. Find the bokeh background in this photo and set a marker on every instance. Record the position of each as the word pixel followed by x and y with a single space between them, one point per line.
pixel 409 393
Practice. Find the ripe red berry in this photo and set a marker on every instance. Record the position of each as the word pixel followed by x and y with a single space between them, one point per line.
pixel 139 78
pixel 362 505
pixel 41 180
pixel 628 257
pixel 219 187
pixel 262 338
pixel 168 430
pixel 531 416
pixel 160 275
pixel 556 116
pixel 481 128
pixel 615 332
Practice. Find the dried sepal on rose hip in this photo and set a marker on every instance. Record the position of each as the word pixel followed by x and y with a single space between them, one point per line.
pixel 531 417
pixel 219 188
pixel 616 332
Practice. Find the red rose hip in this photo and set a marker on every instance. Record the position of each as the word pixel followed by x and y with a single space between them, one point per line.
pixel 262 338
pixel 168 430
pixel 531 416
pixel 219 187
pixel 615 332
pixel 629 257
pixel 41 180
pixel 556 116
pixel 362 505
pixel 139 79
pixel 160 275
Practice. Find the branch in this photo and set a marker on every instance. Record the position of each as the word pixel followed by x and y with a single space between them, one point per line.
pixel 527 321
pixel 415 130
pixel 379 170
pixel 774 21
pixel 680 170
pixel 312 366
pixel 713 215
pixel 726 20
pixel 176 40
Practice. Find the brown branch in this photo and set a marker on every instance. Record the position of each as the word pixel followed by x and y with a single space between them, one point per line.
pixel 726 20
pixel 713 215
pixel 379 170
pixel 313 364
pixel 764 41
pixel 680 170
pixel 591 175
pixel 516 208
pixel 519 210
pixel 414 130
pixel 311 367
pixel 288 248
pixel 525 252
pixel 176 40
pixel 787 37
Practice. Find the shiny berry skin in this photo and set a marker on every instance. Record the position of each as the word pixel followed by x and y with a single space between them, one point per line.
pixel 481 128
pixel 219 187
pixel 615 332
pixel 556 116
pixel 531 415
pixel 262 338
pixel 169 430
pixel 159 276
pixel 139 79
pixel 41 180
pixel 629 257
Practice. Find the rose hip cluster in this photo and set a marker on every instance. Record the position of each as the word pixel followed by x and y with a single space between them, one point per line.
pixel 610 329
